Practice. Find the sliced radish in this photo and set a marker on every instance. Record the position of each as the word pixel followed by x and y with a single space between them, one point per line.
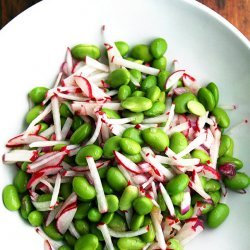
pixel 106 235
pixel 117 234
pixel 73 231
pixel 99 79
pixel 42 206
pixel 20 155
pixel 101 199
pixel 77 66
pixel 179 128
pixel 127 174
pixel 178 161
pixel 55 244
pixel 117 129
pixel 186 203
pixel 148 182
pixel 20 140
pixel 48 132
pixel 174 78
pixel 157 119
pixel 47 245
pixel 180 90
pixel 167 200
pixel 95 64
pixel 209 139
pixel 139 179
pixel 56 117
pixel 214 150
pixel 191 83
pixel 119 121
pixel 66 128
pixel 46 143
pixel 97 131
pixel 56 191
pixel 69 61
pixel 210 172
pixel 170 118
pixel 52 214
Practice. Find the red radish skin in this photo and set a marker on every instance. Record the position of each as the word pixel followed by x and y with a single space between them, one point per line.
pixel 20 140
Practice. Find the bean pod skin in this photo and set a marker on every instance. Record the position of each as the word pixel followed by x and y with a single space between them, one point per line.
pixel 218 215
pixel 10 198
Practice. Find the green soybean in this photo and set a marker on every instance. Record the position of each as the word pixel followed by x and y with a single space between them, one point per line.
pixel 113 203
pixel 118 77
pixel 137 104
pixel 150 235
pixel 174 244
pixel 134 134
pixel 24 166
pixel 102 172
pixel 226 146
pixel 202 155
pixel 135 158
pixel 136 222
pixel 33 113
pixel 143 205
pixel 52 232
pixel 118 223
pixel 64 247
pixel 44 197
pixel 158 108
pixel 35 218
pixel 38 94
pixel 221 117
pixel 87 242
pixel 138 117
pixel 141 52
pixel 111 145
pixel 156 138
pixel 218 215
pixel 206 97
pixel 238 164
pixel 153 93
pixel 77 122
pixel 138 93
pixel 162 97
pixel 20 181
pixel 80 51
pixel 158 47
pixel 129 194
pixel 65 111
pixel 177 184
pixel 81 134
pixel 10 198
pixel 44 126
pixel 70 239
pixel 122 47
pixel 135 75
pixel 26 206
pixel 238 182
pixel 160 63
pixel 215 91
pixel 196 108
pixel 124 92
pixel 65 190
pixel 116 179
pixel 94 215
pixel 89 150
pixel 111 114
pixel 181 102
pixel 162 78
pixel 148 82
pixel 215 196
pixel 94 230
pixel 212 186
pixel 107 218
pixel 83 189
pixel 178 142
pixel 82 210
pixel 107 189
pixel 161 202
pixel 129 146
pixel 185 216
pixel 177 198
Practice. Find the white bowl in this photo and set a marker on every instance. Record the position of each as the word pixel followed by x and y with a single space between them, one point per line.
pixel 32 47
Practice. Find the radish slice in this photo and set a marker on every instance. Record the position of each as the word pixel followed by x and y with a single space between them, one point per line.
pixel 35 130
pixel 154 190
pixel 64 220
pixel 101 199
pixel 117 129
pixel 178 161
pixel 209 139
pixel 52 214
pixel 48 132
pixel 71 97
pixel 148 182
pixel 174 78
pixel 157 119
pixel 77 66
pixel 127 174
pixel 128 234
pixel 73 231
pixel 180 90
pixel 49 170
pixel 56 191
pixel 210 173
pixel 48 185
pixel 99 79
pixel 69 61
pixel 214 150
pixel 106 235
pixel 157 219
pixel 127 163
pixel 179 128
pixel 69 89
pixel 47 245
pixel 95 64
pixel 167 200
pixel 170 118
pixel 39 118
pixel 55 244
pixel 190 230
pixel 133 65
pixel 58 79
pixel 66 128
pixel 20 155
pixel 119 121
pixel 191 83
pixel 140 179
pixel 56 117
pixel 46 144
pixel 128 216
pixel 97 131
pixel 42 206
pixel 186 202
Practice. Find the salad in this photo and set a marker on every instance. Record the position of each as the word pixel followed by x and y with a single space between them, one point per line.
pixel 125 151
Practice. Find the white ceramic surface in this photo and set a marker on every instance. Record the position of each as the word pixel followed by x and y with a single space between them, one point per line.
pixel 32 47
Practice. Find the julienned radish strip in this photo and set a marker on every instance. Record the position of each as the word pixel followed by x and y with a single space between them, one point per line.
pixel 46 143
pixel 174 78
pixel 178 161
pixel 66 127
pixel 56 190
pixel 20 140
pixel 52 214
pixel 48 132
pixel 97 131
pixel 69 61
pixel 47 245
pixel 95 64
pixel 73 231
pixel 56 117
pixel 42 206
pixel 106 235
pixel 20 155
pixel 214 150
pixel 101 199
pixel 167 200
pixel 170 118
pixel 157 119
pixel 133 65
pixel 186 202
pixel 128 234
pixel 127 174
pixel 179 128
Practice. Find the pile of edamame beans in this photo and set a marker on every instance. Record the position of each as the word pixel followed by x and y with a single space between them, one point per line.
pixel 179 115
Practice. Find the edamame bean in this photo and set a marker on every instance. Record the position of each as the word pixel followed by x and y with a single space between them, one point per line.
pixel 148 82
pixel 162 78
pixel 238 164
pixel 196 108
pixel 129 146
pixel 81 134
pixel 153 93
pixel 65 190
pixel 64 247
pixel 87 242
pixel 177 184
pixel 162 97
pixel 177 198
pixel 160 63
pixel 158 47
pixel 70 239
pixel 111 145
pixel 116 179
pixel 58 147
pixel 124 92
pixel 107 218
pixel 89 150
pixel 206 97
pixel 158 108
pixel 150 235
pixel 20 181
pixel 33 113
pixel 142 205
pixel 238 182
pixel 52 232
pixel 138 117
pixel 122 47
pixel 118 77
pixel 141 52
pixel 80 51
pixel 134 134
pixel 221 117
pixel 129 194
pixel 94 230
pixel 136 222
pixel 83 189
pixel 181 102
pixel 82 210
pixel 132 243
pixel 156 138
pixel 10 198
pixel 178 142
pixel 215 91
pixel 65 111
pixel 102 172
pixel 113 203
pixel 161 202
pixel 132 87
pixel 77 122
pixel 202 155
pixel 107 189
pixel 174 244
pixel 24 166
pixel 44 126
pixel 226 146
pixel 138 93
pixel 118 223
pixel 137 104
pixel 35 218
pixel 111 114
pixel 218 215
pixel 44 197
pixel 26 206
pixel 215 196
pixel 185 216
pixel 212 186
pixel 38 94
pixel 135 75
pixel 135 158
pixel 94 215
